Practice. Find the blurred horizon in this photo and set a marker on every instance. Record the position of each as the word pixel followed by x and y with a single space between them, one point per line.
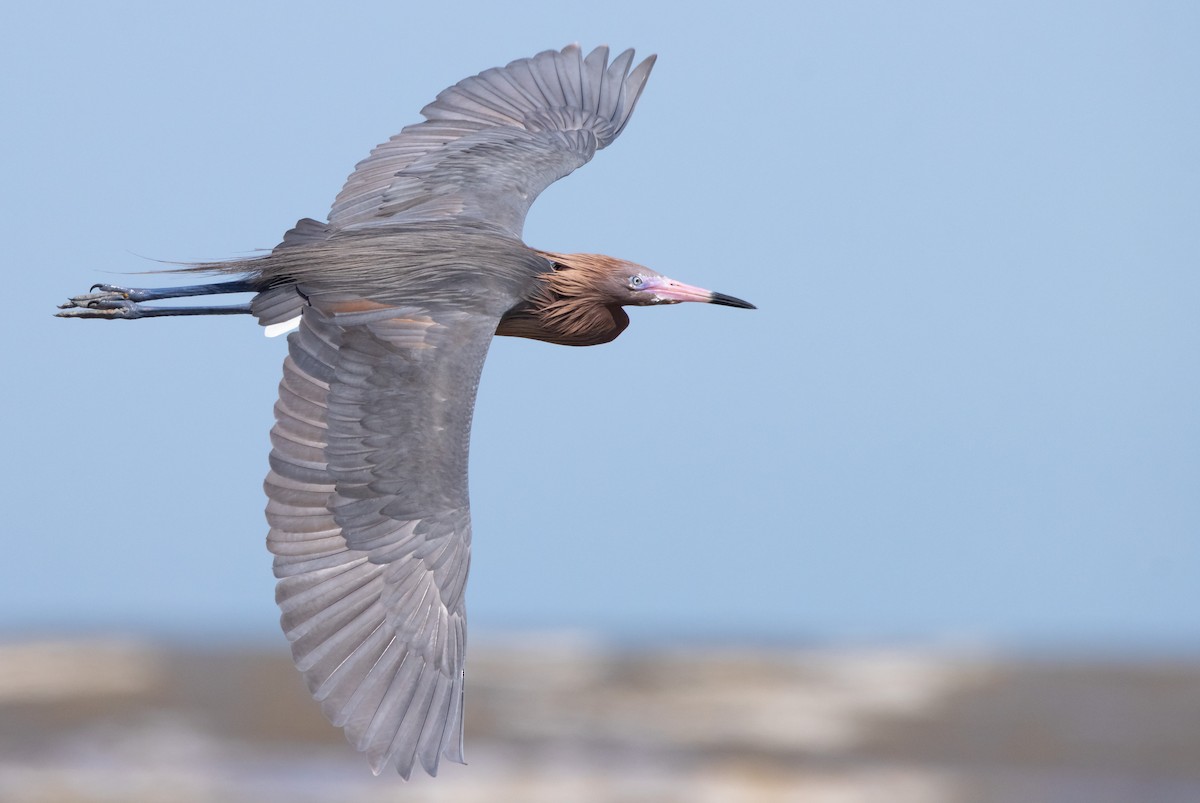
pixel 645 640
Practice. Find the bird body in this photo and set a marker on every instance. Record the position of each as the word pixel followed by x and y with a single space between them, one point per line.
pixel 398 295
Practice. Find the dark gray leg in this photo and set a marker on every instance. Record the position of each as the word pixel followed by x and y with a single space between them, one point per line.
pixel 123 303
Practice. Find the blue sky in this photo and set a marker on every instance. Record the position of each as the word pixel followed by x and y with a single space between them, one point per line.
pixel 966 409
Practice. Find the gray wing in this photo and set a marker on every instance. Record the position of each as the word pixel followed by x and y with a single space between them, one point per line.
pixel 370 524
pixel 491 143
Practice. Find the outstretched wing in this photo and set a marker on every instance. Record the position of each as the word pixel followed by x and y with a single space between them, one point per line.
pixel 491 143
pixel 370 523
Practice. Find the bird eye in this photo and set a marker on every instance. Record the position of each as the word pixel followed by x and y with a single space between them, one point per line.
pixel 636 282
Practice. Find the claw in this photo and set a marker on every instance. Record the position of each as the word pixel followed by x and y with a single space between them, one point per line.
pixel 107 289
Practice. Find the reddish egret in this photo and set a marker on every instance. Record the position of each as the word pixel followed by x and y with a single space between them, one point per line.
pixel 398 296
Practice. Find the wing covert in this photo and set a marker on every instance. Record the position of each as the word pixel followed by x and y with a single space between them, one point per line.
pixel 491 143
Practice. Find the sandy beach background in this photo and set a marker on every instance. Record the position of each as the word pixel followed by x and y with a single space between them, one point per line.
pixel 561 718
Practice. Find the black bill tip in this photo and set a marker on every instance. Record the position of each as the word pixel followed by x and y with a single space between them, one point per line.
pixel 730 301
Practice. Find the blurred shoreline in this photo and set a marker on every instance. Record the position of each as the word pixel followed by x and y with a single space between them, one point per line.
pixel 567 717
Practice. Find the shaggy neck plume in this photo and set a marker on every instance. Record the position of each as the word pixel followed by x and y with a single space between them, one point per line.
pixel 572 304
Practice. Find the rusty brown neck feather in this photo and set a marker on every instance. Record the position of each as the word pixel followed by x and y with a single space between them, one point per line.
pixel 571 304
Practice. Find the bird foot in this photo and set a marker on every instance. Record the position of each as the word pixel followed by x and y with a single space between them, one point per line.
pixel 110 292
pixel 110 303
pixel 108 309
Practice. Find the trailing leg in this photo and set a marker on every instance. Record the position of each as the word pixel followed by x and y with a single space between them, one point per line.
pixel 112 302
